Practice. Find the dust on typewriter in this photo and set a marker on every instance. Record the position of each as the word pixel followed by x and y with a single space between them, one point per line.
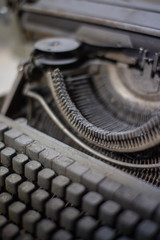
pixel 103 100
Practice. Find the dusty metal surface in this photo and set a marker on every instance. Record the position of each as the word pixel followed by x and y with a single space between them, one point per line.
pixel 93 22
pixel 119 17
pixel 96 105
pixel 105 98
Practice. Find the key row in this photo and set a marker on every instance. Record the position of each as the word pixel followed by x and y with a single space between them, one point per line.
pixel 109 210
pixel 110 189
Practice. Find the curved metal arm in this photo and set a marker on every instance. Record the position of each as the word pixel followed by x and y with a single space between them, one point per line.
pixel 138 139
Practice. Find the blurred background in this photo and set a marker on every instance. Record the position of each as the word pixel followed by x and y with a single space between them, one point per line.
pixel 13 48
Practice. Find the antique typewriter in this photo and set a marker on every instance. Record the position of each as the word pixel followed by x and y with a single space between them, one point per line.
pixel 79 131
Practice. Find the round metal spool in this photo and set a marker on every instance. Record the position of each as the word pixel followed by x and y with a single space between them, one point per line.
pixel 57 45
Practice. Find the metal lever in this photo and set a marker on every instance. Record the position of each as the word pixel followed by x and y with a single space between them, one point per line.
pixel 150 69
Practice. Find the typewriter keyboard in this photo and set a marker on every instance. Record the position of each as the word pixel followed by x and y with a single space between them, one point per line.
pixel 50 191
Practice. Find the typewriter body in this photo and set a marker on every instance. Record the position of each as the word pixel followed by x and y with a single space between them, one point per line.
pixel 93 82
pixel 105 62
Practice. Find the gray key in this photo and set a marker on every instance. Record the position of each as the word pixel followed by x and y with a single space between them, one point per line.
pixel 2 146
pixel 86 227
pixel 16 210
pixel 3 128
pixel 30 220
pixel 22 142
pixel 31 170
pixel 34 149
pixel 5 200
pixel 3 174
pixel 53 208
pixel 127 221
pixel 45 228
pixel 75 172
pixel 25 190
pixel 68 218
pixel 6 156
pixel 74 193
pixel 12 182
pixel 145 206
pixel 91 179
pixel 125 238
pixel 44 178
pixel 147 230
pixel 25 236
pixel 38 199
pixel 10 231
pixel 108 188
pixel 3 221
pixel 125 196
pixel 60 164
pixel 10 137
pixel 21 120
pixel 104 233
pixel 91 202
pixel 46 157
pixel 108 212
pixel 59 185
pixel 18 163
pixel 62 234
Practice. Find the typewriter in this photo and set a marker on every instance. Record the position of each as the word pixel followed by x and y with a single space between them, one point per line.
pixel 79 131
